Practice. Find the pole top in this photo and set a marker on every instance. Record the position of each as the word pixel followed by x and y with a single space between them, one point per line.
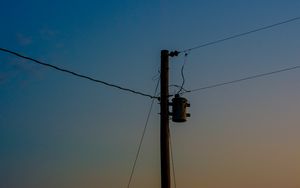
pixel 174 53
pixel 171 54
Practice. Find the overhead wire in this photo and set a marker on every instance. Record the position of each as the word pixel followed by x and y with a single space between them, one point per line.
pixel 182 73
pixel 172 160
pixel 242 79
pixel 77 74
pixel 142 137
pixel 181 90
pixel 178 86
pixel 156 76
pixel 233 37
pixel 240 34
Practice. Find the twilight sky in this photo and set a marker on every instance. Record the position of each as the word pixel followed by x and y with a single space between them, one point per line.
pixel 64 132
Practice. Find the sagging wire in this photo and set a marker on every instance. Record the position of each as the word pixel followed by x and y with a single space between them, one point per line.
pixel 77 74
pixel 182 73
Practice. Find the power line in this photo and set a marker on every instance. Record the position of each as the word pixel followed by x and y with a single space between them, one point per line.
pixel 241 34
pixel 182 73
pixel 173 164
pixel 142 137
pixel 77 74
pixel 242 79
pixel 178 86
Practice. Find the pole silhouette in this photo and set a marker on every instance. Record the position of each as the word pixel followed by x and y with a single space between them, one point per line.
pixel 164 120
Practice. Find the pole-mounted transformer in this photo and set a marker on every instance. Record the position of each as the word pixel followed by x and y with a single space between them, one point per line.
pixel 179 112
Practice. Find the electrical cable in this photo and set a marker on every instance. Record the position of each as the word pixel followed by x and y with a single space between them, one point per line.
pixel 172 160
pixel 178 86
pixel 157 76
pixel 241 34
pixel 142 137
pixel 174 85
pixel 242 79
pixel 182 73
pixel 77 74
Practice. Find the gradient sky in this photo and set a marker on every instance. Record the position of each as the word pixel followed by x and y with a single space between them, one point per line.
pixel 64 132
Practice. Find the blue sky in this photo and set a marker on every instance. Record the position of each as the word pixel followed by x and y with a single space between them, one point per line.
pixel 60 131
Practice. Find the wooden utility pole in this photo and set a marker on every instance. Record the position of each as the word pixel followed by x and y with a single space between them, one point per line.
pixel 164 120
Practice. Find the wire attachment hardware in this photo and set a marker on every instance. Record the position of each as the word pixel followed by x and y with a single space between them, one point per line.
pixel 174 53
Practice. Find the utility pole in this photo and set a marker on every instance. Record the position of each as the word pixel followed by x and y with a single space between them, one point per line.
pixel 179 114
pixel 164 121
